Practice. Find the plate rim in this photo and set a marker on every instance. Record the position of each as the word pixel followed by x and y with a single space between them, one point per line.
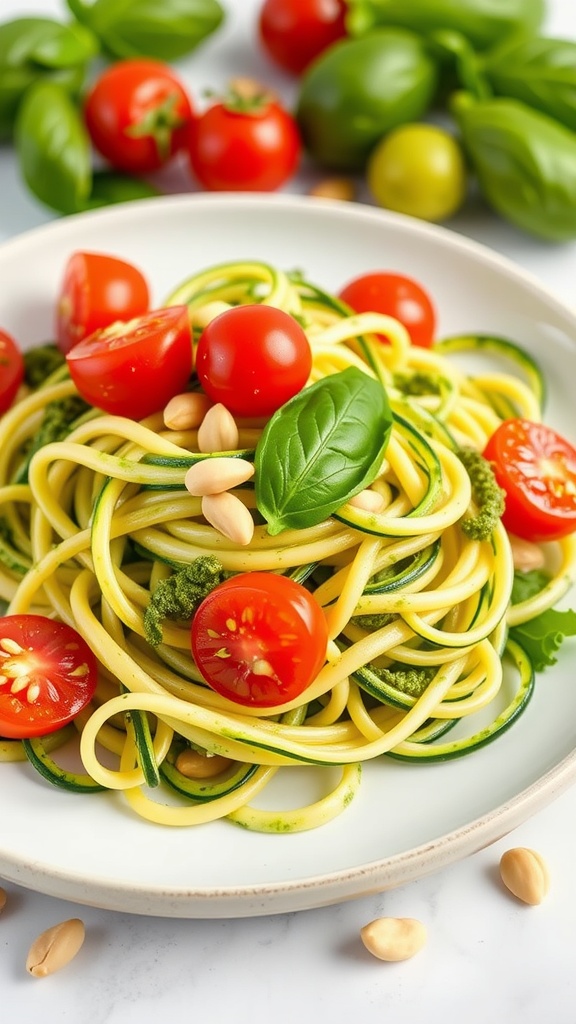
pixel 284 200
pixel 334 887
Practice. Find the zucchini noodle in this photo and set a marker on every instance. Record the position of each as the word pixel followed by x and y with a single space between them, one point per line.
pixel 417 610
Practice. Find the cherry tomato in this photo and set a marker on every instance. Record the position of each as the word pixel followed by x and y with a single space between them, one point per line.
pixel 244 146
pixel 48 674
pixel 294 32
pixel 259 639
pixel 11 370
pixel 97 290
pixel 252 359
pixel 419 170
pixel 536 468
pixel 138 115
pixel 394 295
pixel 133 369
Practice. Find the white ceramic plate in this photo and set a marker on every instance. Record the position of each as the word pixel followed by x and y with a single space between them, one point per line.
pixel 407 820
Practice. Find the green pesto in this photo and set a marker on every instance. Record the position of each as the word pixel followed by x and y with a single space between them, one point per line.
pixel 40 363
pixel 57 422
pixel 417 383
pixel 14 560
pixel 178 597
pixel 487 495
pixel 406 678
pixel 373 622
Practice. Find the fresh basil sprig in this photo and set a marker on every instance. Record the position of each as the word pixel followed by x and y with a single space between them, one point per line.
pixel 110 187
pixel 525 163
pixel 32 49
pixel 164 29
pixel 320 448
pixel 483 22
pixel 53 148
pixel 539 71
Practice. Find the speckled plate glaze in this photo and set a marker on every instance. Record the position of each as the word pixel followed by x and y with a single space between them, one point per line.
pixel 408 820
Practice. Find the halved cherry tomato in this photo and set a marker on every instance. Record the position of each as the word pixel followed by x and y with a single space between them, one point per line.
pixel 11 370
pixel 133 369
pixel 97 290
pixel 536 468
pixel 252 359
pixel 48 674
pixel 138 114
pixel 240 147
pixel 259 639
pixel 294 32
pixel 394 295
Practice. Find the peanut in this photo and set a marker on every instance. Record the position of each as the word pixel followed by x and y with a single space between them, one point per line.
pixel 369 501
pixel 218 431
pixel 394 938
pixel 202 316
pixel 55 948
pixel 3 898
pixel 212 476
pixel 194 765
pixel 526 555
pixel 525 873
pixel 229 516
pixel 251 89
pixel 334 188
pixel 187 411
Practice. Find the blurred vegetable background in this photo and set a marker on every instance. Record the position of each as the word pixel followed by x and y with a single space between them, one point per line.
pixel 411 105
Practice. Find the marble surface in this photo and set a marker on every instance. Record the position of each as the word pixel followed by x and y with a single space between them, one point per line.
pixel 487 956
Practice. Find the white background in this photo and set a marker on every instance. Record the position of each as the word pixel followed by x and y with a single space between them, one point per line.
pixel 488 956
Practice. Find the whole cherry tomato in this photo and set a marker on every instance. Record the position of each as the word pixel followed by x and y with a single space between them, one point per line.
pixel 133 369
pixel 244 145
pixel 252 359
pixel 138 115
pixel 259 639
pixel 60 670
pixel 96 290
pixel 294 32
pixel 394 295
pixel 11 370
pixel 536 468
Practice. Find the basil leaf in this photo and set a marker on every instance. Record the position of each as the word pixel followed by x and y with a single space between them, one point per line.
pixel 66 47
pixel 524 161
pixel 483 22
pixel 113 187
pixel 164 29
pixel 40 48
pixel 321 448
pixel 53 148
pixel 540 72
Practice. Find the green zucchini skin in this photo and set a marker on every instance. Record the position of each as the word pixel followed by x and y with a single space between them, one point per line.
pixel 73 782
pixel 505 349
pixel 427 753
pixel 202 790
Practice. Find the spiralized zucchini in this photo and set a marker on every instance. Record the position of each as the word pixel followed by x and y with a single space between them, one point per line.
pixel 404 586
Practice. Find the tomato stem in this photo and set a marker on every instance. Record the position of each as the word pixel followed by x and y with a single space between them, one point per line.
pixel 159 123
